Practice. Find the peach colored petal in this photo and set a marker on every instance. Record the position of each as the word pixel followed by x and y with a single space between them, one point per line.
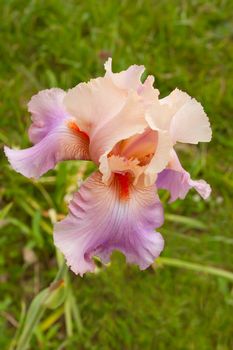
pixel 183 116
pixel 94 103
pixel 127 79
pixel 190 124
pixel 137 146
pixel 129 121
pixel 147 91
pixel 159 116
pixel 160 158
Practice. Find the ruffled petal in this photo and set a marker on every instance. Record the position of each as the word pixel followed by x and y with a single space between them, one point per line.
pixel 182 116
pixel 128 122
pixel 94 103
pixel 47 111
pixel 147 91
pixel 188 121
pixel 104 218
pixel 178 181
pixel 55 134
pixel 127 79
pixel 64 142
pixel 160 158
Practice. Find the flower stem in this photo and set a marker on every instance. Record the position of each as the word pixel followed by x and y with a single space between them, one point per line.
pixel 195 267
pixel 35 313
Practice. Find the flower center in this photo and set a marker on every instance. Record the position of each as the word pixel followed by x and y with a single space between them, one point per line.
pixel 74 127
pixel 141 147
pixel 123 182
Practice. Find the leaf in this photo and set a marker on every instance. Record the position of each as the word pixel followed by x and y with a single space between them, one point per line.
pixel 36 221
pixel 5 210
pixel 193 223
pixel 195 267
pixel 51 319
pixel 57 294
pixel 33 317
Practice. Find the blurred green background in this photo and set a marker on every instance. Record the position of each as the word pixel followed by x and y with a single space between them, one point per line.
pixel 185 44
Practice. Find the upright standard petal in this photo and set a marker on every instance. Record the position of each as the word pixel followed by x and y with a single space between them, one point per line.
pixel 190 123
pixel 147 91
pixel 55 133
pixel 129 121
pixel 182 116
pixel 129 79
pixel 94 103
pixel 105 218
pixel 178 181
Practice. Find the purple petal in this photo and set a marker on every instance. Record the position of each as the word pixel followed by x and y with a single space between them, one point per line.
pixel 47 110
pixel 178 181
pixel 100 221
pixel 55 134
pixel 60 144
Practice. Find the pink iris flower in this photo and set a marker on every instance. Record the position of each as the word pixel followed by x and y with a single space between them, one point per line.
pixel 119 123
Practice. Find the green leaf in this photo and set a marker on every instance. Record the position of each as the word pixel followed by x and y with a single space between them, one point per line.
pixel 33 317
pixel 193 223
pixel 195 267
pixel 5 210
pixel 51 319
pixel 57 294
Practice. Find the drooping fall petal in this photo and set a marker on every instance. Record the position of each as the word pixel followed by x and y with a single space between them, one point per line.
pixel 104 218
pixel 178 181
pixel 55 133
pixel 47 111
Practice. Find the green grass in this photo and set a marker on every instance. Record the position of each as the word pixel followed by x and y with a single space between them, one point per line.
pixel 185 44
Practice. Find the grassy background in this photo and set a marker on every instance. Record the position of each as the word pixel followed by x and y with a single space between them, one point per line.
pixel 185 44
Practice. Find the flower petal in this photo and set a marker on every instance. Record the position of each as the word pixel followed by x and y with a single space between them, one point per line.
pixel 178 181
pixel 101 220
pixel 183 116
pixel 128 122
pixel 47 111
pixel 127 79
pixel 137 146
pixel 189 123
pixel 121 165
pixel 94 103
pixel 62 143
pixel 55 134
pixel 147 91
pixel 160 158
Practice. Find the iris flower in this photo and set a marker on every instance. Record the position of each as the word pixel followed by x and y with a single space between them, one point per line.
pixel 120 124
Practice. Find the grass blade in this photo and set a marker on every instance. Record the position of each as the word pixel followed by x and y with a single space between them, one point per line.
pixel 195 267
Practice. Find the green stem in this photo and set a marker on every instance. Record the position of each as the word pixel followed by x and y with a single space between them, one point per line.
pixel 67 307
pixel 195 267
pixel 35 312
pixel 76 314
pixel 61 272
